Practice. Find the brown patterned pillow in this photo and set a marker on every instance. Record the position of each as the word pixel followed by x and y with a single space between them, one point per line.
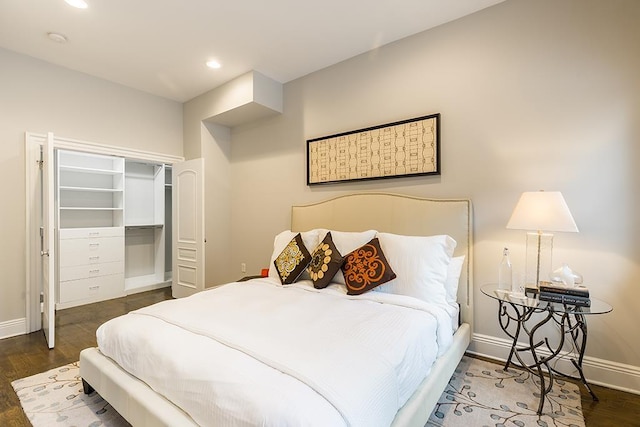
pixel 325 262
pixel 365 268
pixel 292 261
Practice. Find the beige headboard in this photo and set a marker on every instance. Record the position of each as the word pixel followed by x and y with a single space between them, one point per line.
pixel 399 214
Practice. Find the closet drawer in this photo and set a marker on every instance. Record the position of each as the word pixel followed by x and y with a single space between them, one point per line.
pixel 90 270
pixel 91 251
pixel 85 233
pixel 95 288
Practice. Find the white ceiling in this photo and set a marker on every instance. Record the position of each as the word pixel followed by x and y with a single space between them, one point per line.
pixel 161 46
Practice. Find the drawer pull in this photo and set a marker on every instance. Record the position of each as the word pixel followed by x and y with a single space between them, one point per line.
pixel 94 245
pixel 96 271
pixel 94 288
pixel 94 258
pixel 94 233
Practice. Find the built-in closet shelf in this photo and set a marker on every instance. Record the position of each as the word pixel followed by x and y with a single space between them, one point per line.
pixel 82 227
pixel 82 208
pixel 145 283
pixel 142 176
pixel 90 170
pixel 92 189
pixel 142 226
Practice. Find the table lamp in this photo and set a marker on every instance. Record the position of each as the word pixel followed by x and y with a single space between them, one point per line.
pixel 540 212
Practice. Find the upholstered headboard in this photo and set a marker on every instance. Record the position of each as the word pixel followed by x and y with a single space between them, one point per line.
pixel 399 214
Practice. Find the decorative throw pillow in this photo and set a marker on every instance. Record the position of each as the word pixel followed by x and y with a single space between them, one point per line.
pixel 292 261
pixel 365 268
pixel 325 263
pixel 281 240
pixel 347 241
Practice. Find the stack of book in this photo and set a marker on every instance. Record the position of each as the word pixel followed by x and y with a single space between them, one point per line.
pixel 578 295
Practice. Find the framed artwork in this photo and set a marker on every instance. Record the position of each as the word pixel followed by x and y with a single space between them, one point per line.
pixel 405 148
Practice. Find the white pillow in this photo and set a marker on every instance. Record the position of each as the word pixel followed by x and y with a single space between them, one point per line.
pixel 453 279
pixel 310 239
pixel 346 242
pixel 420 263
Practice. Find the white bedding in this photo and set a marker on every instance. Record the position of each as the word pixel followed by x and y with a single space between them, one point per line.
pixel 258 353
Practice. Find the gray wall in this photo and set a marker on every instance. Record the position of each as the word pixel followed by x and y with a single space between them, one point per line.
pixel 39 97
pixel 534 95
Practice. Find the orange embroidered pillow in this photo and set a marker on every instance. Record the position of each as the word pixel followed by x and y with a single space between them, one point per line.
pixel 365 268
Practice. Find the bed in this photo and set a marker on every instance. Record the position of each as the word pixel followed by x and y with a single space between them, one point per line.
pixel 392 218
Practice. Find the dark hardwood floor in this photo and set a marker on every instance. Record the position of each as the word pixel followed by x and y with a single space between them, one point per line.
pixel 27 355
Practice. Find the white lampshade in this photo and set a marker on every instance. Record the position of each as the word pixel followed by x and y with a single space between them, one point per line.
pixel 542 211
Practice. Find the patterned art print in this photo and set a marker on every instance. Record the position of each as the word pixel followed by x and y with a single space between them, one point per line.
pixel 406 148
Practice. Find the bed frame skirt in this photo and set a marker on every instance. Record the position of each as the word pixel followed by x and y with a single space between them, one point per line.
pixel 141 406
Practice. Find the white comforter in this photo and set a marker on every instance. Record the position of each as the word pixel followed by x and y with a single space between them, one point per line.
pixel 258 353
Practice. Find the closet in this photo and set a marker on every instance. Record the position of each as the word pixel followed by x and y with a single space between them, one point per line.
pixel 147 222
pixel 114 222
pixel 104 222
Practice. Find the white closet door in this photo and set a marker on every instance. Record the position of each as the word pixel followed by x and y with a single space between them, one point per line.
pixel 188 228
pixel 48 238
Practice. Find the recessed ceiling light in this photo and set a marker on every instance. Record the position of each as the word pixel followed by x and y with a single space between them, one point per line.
pixel 80 4
pixel 213 64
pixel 57 37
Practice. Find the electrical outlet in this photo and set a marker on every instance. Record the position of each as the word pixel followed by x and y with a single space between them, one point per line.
pixel 243 267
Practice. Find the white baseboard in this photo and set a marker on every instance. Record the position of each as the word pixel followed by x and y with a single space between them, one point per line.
pixel 12 328
pixel 602 372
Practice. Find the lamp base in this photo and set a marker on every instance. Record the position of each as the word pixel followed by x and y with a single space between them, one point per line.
pixel 538 261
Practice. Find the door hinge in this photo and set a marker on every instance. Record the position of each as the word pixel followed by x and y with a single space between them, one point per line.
pixel 40 164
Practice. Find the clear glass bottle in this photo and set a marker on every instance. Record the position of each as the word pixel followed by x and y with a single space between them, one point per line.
pixel 505 273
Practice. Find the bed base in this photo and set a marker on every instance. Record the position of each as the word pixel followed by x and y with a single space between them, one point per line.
pixel 141 406
pixel 393 213
pixel 132 398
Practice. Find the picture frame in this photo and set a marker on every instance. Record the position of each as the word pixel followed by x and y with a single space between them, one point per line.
pixel 407 148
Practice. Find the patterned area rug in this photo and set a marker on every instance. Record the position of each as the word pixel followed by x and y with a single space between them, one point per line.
pixel 483 394
pixel 55 398
pixel 479 394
